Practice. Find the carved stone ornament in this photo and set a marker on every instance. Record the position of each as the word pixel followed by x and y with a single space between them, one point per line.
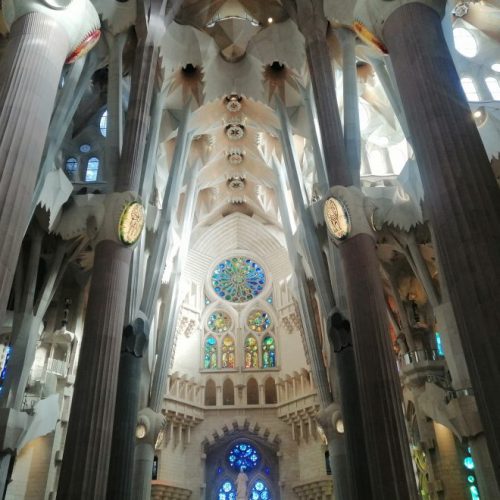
pixel 461 9
pixel 233 103
pixel 235 157
pixel 236 184
pixel 337 218
pixel 131 223
pixel 235 132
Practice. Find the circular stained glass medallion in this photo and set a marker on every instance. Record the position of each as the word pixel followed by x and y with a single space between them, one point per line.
pixel 258 321
pixel 219 322
pixel 243 456
pixel 238 279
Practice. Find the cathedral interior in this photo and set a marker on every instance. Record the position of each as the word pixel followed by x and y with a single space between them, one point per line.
pixel 249 249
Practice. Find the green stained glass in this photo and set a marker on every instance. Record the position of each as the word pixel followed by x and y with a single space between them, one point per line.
pixel 228 359
pixel 268 353
pixel 238 279
pixel 258 321
pixel 210 354
pixel 251 352
pixel 219 322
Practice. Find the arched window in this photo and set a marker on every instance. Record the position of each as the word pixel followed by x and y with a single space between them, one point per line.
pixel 470 89
pixel 228 360
pixel 210 354
pixel 260 491
pixel 92 169
pixel 72 168
pixel 268 352
pixel 103 123
pixel 227 491
pixel 251 352
pixel 270 391
pixel 210 393
pixel 493 87
pixel 252 392
pixel 228 392
pixel 465 43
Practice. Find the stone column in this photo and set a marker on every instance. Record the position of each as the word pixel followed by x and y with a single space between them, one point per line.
pixel 84 472
pixel 389 461
pixel 460 193
pixel 126 409
pixel 31 68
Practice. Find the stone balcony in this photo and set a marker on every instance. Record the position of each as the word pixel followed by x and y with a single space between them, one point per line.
pixel 164 490
pixel 417 367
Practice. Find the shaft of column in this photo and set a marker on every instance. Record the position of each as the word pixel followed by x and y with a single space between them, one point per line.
pixel 391 473
pixel 386 440
pixel 460 193
pixel 84 471
pixel 352 134
pixel 31 68
pixel 126 409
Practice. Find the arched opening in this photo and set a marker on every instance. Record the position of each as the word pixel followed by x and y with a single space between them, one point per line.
pixel 210 393
pixel 270 391
pixel 252 392
pixel 228 392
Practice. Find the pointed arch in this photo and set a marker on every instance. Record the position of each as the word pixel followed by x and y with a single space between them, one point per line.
pixel 210 353
pixel 268 352
pixel 259 489
pixel 210 393
pixel 251 352
pixel 227 490
pixel 252 392
pixel 228 392
pixel 228 359
pixel 271 397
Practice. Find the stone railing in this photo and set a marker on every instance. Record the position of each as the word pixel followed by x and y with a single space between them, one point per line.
pixel 317 489
pixel 164 490
pixel 418 367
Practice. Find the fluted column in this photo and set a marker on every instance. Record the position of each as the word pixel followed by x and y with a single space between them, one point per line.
pixel 87 452
pixel 31 68
pixel 461 195
pixel 389 460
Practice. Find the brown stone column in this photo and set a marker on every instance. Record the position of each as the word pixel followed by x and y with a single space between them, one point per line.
pixel 461 195
pixel 87 452
pixel 31 69
pixel 389 461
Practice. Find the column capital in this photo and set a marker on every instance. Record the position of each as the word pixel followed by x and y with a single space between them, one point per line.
pixel 309 17
pixel 330 419
pixel 373 14
pixel 149 425
pixel 78 18
pixel 348 213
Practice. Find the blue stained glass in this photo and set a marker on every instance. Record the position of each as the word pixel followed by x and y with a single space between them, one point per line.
pixel 474 493
pixel 260 491
pixel 469 463
pixel 210 354
pixel 439 344
pixel 238 279
pixel 92 169
pixel 243 455
pixel 268 353
pixel 227 491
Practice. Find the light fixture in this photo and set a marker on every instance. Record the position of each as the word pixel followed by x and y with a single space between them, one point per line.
pixel 270 20
pixel 477 114
pixel 339 426
pixel 140 431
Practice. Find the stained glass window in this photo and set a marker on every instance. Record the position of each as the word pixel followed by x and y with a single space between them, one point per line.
pixel 228 360
pixel 219 322
pixel 260 491
pixel 92 169
pixel 243 455
pixel 210 357
pixel 258 321
pixel 268 353
pixel 227 491
pixel 238 279
pixel 103 123
pixel 251 352
pixel 72 168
